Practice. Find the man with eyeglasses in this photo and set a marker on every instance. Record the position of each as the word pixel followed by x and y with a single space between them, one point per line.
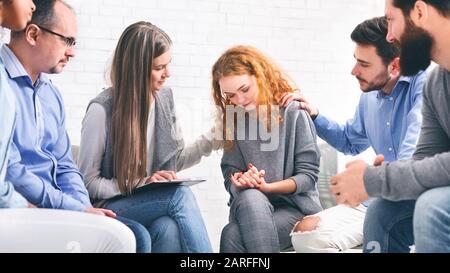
pixel 70 41
pixel 40 164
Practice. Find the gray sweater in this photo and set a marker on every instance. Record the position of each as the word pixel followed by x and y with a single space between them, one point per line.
pixel 297 156
pixel 407 180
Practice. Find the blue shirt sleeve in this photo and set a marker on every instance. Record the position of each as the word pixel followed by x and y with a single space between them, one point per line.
pixel 69 179
pixel 413 120
pixel 349 138
pixel 35 190
pixel 68 176
pixel 9 198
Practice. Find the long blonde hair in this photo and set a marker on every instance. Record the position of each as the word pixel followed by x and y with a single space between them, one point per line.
pixel 272 81
pixel 131 70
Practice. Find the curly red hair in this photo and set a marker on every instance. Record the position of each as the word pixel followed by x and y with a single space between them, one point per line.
pixel 272 81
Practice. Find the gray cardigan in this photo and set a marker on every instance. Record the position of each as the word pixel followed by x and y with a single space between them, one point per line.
pixel 170 153
pixel 405 180
pixel 165 129
pixel 297 156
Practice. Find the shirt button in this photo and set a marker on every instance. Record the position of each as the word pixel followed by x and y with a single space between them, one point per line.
pixel 391 98
pixel 390 149
pixel 388 124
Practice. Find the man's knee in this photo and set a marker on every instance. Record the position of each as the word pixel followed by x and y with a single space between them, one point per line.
pixel 306 238
pixel 309 223
pixel 377 212
pixel 431 203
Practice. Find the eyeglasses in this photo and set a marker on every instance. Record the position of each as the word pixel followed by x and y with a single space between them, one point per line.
pixel 70 41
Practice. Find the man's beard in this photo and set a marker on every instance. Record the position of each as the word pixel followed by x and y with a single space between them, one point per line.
pixel 379 83
pixel 416 45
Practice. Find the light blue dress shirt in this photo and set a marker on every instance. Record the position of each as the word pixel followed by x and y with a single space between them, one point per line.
pixel 390 124
pixel 8 197
pixel 41 166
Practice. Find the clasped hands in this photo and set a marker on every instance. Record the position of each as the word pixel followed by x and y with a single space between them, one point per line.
pixel 251 179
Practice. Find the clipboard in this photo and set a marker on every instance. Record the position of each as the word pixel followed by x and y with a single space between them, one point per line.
pixel 165 183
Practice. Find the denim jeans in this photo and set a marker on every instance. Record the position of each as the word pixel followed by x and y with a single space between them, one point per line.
pixel 171 216
pixel 388 227
pixel 143 241
pixel 432 221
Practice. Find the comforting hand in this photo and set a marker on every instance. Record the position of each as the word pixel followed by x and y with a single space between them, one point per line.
pixel 288 98
pixel 304 103
pixel 348 186
pixel 103 212
pixel 162 175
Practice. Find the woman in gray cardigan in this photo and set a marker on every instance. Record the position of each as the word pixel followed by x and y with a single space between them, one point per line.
pixel 271 159
pixel 129 139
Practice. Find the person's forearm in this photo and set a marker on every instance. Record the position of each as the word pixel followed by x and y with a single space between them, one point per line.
pixel 342 137
pixel 38 191
pixel 287 186
pixel 406 180
pixel 191 154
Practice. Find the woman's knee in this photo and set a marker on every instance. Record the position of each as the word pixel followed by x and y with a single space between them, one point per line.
pixel 184 196
pixel 143 239
pixel 164 227
pixel 251 197
pixel 250 204
pixel 165 235
pixel 230 238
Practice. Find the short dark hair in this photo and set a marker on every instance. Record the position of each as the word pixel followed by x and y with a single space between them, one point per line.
pixel 373 32
pixel 44 15
pixel 442 6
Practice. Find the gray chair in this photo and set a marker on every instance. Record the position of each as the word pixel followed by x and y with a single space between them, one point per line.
pixel 328 168
pixel 75 152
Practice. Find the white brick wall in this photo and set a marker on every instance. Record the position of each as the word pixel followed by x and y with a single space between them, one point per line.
pixel 309 38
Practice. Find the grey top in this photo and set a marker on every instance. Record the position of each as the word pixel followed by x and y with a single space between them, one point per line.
pixel 407 180
pixel 166 145
pixel 295 156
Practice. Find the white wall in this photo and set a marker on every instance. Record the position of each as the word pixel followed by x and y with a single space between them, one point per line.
pixel 309 38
